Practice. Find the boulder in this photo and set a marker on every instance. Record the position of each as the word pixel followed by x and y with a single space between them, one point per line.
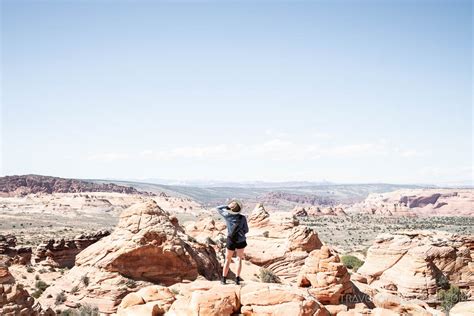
pixel 327 278
pixel 259 216
pixel 206 298
pixel 463 309
pixel 151 300
pixel 303 238
pixel 277 299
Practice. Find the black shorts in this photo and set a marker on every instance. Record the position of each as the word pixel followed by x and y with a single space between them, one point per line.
pixel 235 245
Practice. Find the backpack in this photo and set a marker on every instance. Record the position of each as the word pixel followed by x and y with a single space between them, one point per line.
pixel 234 234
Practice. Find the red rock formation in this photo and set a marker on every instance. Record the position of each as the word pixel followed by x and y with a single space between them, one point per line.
pixel 147 245
pixel 326 276
pixel 62 253
pixel 23 185
pixel 213 299
pixel 15 300
pixel 299 211
pixel 414 263
pixel 259 216
pixel 15 254
pixel 419 202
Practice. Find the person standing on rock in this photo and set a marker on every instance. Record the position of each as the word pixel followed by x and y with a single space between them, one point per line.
pixel 236 242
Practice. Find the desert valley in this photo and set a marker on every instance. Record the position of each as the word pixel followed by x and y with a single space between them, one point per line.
pixel 77 247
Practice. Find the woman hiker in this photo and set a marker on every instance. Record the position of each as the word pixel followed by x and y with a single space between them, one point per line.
pixel 236 242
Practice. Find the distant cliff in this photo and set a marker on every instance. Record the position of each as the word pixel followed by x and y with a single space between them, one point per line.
pixel 26 184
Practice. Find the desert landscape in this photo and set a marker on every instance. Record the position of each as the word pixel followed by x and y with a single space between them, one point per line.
pixel 236 158
pixel 76 247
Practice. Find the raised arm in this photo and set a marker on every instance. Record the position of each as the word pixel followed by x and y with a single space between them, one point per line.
pixel 222 210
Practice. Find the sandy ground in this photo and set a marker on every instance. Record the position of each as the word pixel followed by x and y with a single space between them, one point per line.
pixel 39 217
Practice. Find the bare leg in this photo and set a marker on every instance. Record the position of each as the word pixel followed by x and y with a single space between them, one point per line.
pixel 228 259
pixel 240 257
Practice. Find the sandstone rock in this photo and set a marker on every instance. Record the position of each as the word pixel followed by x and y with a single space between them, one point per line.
pixel 146 246
pixel 463 309
pixel 145 231
pixel 259 216
pixel 252 298
pixel 336 309
pixel 280 244
pixel 62 253
pixel 414 263
pixel 15 300
pixel 402 307
pixel 299 211
pixel 303 238
pixel 419 202
pixel 206 228
pixel 151 300
pixel 326 276
pixel 148 309
pixel 5 275
pixel 276 299
pixel 26 184
pixel 8 247
pixel 206 298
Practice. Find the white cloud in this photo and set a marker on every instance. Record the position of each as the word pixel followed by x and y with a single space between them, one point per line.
pixel 273 149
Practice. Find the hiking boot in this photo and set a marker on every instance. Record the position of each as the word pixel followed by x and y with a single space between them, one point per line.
pixel 237 280
pixel 223 280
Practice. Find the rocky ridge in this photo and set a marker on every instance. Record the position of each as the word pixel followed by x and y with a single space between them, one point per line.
pixel 27 184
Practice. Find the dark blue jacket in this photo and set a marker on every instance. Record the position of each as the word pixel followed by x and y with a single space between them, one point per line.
pixel 231 220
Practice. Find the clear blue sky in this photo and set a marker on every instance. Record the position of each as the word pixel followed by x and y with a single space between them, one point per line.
pixel 347 91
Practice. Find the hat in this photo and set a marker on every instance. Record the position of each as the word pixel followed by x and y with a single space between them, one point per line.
pixel 239 204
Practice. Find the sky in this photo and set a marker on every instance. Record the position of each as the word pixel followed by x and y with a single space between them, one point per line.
pixel 342 91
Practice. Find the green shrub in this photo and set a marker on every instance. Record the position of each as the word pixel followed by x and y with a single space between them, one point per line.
pixel 41 285
pixel 450 297
pixel 85 280
pixel 442 281
pixel 352 262
pixel 37 293
pixel 30 270
pixel 88 310
pixel 74 289
pixel 60 298
pixel 267 276
pixel 131 283
pixel 266 234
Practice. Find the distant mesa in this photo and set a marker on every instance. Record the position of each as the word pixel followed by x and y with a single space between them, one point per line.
pixel 27 184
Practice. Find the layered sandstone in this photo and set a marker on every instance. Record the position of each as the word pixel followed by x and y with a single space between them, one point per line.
pixel 419 202
pixel 415 264
pixel 276 241
pixel 327 278
pixel 213 299
pixel 299 211
pixel 12 252
pixel 62 253
pixel 15 300
pixel 148 245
